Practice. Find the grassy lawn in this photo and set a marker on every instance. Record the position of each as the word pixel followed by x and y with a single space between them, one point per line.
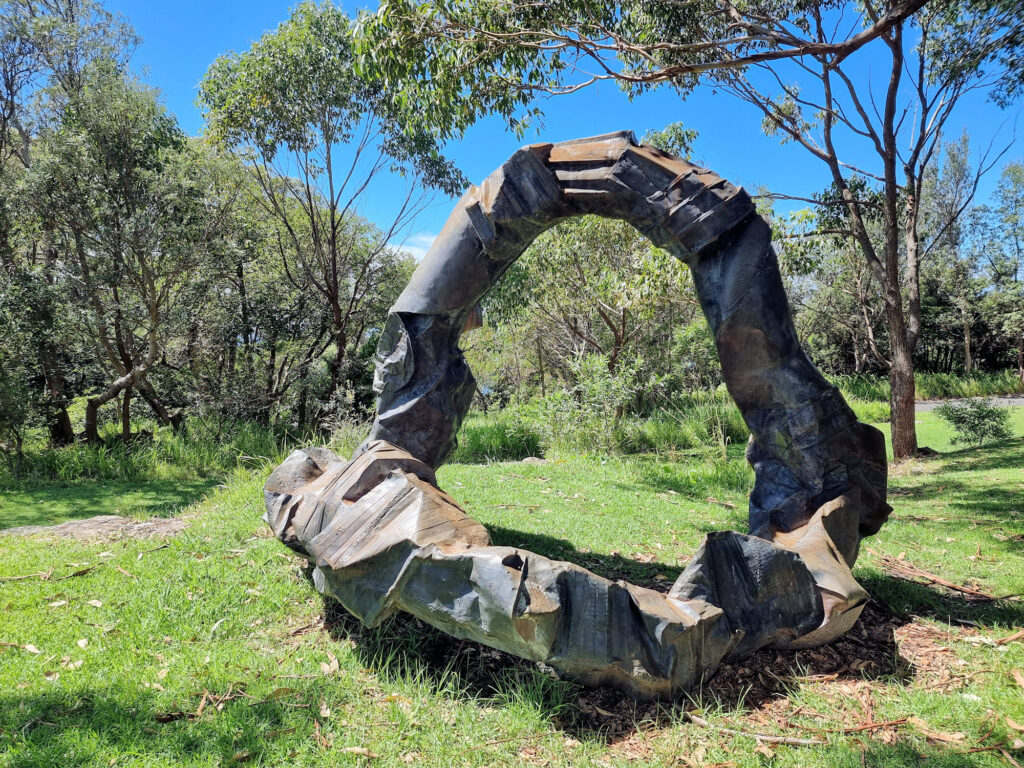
pixel 42 503
pixel 215 650
pixel 935 433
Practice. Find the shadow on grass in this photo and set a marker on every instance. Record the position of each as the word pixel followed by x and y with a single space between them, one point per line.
pixel 40 503
pixel 404 646
pixel 1003 455
pixel 911 598
pixel 89 727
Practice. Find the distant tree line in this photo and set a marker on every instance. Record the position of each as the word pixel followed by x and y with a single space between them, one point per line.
pixel 216 279
pixel 147 274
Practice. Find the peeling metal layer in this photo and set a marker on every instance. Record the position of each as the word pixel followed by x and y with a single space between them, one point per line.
pixel 385 538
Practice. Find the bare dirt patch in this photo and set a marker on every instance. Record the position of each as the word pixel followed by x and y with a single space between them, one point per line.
pixel 104 527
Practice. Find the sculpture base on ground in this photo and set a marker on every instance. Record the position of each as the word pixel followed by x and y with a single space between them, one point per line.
pixel 384 538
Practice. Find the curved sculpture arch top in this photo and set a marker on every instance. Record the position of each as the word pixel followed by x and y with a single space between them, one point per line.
pixel 385 538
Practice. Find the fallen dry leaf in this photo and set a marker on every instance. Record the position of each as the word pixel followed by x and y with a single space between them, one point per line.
pixel 162 674
pixel 360 751
pixel 83 643
pixel 31 648
pixel 277 693
pixel 240 757
pixel 1018 676
pixel 51 675
pixel 325 711
pixel 1014 725
pixel 329 669
pixel 411 757
pixel 96 603
pixel 928 733
pixel 764 749
pixel 57 603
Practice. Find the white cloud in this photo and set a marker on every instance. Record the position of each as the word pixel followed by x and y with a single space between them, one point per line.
pixel 417 244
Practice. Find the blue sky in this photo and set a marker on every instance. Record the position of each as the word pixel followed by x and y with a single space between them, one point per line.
pixel 182 38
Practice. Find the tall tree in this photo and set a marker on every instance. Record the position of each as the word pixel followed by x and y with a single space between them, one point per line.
pixel 132 215
pixel 45 47
pixel 1006 261
pixel 319 136
pixel 795 62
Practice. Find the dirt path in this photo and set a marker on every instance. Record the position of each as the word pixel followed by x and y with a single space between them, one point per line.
pixel 1003 400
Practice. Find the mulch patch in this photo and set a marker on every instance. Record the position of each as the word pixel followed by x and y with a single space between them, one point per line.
pixel 881 648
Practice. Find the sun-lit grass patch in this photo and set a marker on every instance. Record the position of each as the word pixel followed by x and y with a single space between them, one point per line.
pixel 215 649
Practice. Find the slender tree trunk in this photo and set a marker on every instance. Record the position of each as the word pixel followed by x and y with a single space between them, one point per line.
pixel 92 408
pixel 126 415
pixel 1020 357
pixel 337 371
pixel 269 396
pixel 301 408
pixel 967 347
pixel 902 393
pixel 164 415
pixel 61 430
pixel 540 368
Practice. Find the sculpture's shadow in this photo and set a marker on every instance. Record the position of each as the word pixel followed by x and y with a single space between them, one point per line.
pixel 403 645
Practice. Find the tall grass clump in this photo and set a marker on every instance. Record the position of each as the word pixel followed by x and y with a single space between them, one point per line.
pixel 694 420
pixel 564 424
pixel 943 386
pixel 933 386
pixel 498 436
pixel 160 454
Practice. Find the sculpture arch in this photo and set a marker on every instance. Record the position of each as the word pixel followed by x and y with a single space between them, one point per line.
pixel 385 538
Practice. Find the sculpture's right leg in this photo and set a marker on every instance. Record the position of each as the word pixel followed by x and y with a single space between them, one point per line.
pixel 807 447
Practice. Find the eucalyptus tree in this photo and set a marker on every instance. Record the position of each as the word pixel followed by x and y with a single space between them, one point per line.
pixel 318 136
pixel 45 47
pixel 804 67
pixel 133 219
pixel 1006 262
pixel 950 254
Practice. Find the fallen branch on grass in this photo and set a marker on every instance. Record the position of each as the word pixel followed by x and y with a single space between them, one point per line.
pixel 44 575
pixel 1011 638
pixel 907 570
pixel 868 726
pixel 761 737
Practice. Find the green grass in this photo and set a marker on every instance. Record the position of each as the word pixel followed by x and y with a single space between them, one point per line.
pixel 165 456
pixel 934 433
pixel 224 614
pixel 38 503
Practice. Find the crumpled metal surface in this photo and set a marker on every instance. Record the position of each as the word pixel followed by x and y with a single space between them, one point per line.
pixel 385 538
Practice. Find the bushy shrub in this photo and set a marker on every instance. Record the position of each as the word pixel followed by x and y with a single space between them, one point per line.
pixel 976 421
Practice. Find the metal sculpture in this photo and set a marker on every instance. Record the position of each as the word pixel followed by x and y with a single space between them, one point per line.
pixel 385 538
